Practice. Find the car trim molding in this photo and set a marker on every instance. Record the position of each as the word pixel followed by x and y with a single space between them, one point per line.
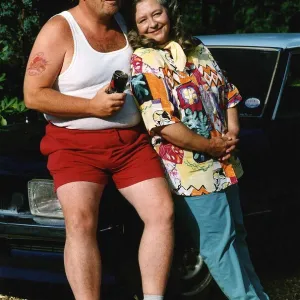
pixel 283 83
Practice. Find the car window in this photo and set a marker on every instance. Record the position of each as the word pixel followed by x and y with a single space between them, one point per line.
pixel 251 70
pixel 289 106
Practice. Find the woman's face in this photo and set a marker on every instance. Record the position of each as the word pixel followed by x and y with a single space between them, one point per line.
pixel 152 21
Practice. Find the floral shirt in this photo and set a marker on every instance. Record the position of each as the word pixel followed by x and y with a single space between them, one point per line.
pixel 198 97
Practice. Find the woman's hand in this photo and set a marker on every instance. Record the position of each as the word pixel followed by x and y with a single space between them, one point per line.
pixel 231 137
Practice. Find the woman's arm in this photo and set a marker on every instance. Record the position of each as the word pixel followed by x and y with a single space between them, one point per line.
pixel 158 112
pixel 233 123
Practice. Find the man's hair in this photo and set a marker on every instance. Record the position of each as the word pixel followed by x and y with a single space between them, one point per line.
pixel 177 32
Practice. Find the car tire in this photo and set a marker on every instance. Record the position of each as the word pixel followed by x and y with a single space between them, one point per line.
pixel 189 277
pixel 195 278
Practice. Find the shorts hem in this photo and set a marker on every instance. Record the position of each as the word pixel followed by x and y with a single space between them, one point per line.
pixel 138 180
pixel 59 183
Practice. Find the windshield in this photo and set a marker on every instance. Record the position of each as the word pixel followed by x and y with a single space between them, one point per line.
pixel 251 71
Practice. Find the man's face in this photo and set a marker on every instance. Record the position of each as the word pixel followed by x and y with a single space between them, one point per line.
pixel 104 7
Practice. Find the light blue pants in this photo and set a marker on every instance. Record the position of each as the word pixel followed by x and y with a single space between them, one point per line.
pixel 215 222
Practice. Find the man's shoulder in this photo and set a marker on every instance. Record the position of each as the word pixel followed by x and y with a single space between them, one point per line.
pixel 57 26
pixel 54 36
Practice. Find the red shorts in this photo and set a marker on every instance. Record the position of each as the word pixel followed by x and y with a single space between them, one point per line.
pixel 95 155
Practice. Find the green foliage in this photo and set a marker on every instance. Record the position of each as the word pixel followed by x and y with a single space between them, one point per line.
pixel 192 21
pixel 9 106
pixel 230 16
pixel 12 106
pixel 2 79
pixel 20 21
pixel 19 24
pixel 265 16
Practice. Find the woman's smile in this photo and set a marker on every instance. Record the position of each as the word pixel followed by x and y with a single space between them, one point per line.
pixel 152 21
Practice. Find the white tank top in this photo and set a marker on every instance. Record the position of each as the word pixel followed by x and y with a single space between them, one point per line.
pixel 89 71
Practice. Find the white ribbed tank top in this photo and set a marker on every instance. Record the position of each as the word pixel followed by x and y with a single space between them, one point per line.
pixel 89 71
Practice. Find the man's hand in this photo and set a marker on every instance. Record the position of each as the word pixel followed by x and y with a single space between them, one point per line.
pixel 218 147
pixel 105 105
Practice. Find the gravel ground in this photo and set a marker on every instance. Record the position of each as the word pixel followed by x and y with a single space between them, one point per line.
pixel 288 289
pixel 285 287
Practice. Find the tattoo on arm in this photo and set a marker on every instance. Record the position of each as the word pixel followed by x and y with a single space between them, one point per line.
pixel 38 64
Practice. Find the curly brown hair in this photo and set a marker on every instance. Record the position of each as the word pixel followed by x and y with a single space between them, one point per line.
pixel 177 32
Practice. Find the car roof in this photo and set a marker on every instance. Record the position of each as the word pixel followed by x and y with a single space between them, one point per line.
pixel 268 40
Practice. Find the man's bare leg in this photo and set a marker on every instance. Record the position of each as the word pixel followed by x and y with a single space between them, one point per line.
pixel 80 203
pixel 152 200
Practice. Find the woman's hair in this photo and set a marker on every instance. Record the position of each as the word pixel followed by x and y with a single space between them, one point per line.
pixel 177 32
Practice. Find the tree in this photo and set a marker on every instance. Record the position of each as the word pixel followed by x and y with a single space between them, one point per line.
pixel 229 16
pixel 19 23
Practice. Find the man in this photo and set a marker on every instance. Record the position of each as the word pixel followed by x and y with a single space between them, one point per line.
pixel 92 135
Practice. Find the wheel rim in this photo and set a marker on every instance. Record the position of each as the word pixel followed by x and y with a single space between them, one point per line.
pixel 194 269
pixel 195 275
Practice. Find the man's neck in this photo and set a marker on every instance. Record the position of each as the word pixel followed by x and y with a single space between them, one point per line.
pixel 90 18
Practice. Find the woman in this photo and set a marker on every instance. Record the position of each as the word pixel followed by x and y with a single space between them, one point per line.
pixel 189 109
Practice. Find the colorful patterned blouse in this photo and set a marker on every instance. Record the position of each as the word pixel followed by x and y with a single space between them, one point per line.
pixel 197 97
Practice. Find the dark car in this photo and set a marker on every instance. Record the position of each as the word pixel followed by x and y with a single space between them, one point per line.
pixel 32 231
pixel 265 68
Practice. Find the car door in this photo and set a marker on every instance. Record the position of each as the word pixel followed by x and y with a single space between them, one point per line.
pixel 285 132
pixel 252 70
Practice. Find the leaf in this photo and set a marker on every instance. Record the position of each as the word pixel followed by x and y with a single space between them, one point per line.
pixel 13 102
pixel 2 77
pixel 3 103
pixel 12 105
pixel 3 121
pixel 22 107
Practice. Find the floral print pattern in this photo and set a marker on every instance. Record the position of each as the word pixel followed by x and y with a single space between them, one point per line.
pixel 197 97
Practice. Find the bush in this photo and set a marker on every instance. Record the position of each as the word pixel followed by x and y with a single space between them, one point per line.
pixel 20 21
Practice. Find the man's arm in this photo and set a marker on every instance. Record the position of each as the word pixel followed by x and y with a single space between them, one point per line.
pixel 180 135
pixel 51 53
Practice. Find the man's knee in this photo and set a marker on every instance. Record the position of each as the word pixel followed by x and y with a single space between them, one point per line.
pixel 162 214
pixel 81 224
pixel 167 213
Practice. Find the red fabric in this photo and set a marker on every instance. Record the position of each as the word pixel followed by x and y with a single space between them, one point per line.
pixel 95 155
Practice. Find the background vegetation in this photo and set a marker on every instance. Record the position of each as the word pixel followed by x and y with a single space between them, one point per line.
pixel 242 16
pixel 20 21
